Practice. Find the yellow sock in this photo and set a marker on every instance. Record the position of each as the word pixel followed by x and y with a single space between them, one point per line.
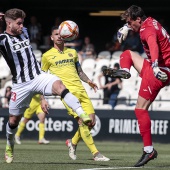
pixel 76 138
pixel 88 139
pixel 20 129
pixel 41 130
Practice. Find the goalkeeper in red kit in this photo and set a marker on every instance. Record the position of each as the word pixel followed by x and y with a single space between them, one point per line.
pixel 154 71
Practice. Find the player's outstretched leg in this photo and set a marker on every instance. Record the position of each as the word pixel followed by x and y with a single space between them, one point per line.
pixel 146 157
pixel 74 103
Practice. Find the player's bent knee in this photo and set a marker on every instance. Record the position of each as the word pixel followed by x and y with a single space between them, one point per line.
pixel 58 87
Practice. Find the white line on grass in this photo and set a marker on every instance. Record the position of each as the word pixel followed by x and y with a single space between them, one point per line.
pixel 111 168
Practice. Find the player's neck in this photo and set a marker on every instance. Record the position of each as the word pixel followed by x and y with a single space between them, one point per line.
pixel 8 31
pixel 60 48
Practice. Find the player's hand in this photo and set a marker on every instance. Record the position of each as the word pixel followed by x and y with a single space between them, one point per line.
pixel 122 33
pixel 45 106
pixel 1 16
pixel 162 76
pixel 93 85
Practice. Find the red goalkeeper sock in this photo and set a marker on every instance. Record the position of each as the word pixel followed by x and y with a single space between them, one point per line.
pixel 126 60
pixel 144 123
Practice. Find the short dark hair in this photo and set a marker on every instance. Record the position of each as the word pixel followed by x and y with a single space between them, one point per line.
pixel 54 28
pixel 133 12
pixel 15 13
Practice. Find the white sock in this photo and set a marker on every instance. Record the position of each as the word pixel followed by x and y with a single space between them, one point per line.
pixel 74 103
pixel 126 69
pixel 148 149
pixel 79 111
pixel 10 133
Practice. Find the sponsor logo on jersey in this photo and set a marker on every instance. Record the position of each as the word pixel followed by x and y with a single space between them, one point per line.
pixel 64 61
pixel 54 57
pixel 22 44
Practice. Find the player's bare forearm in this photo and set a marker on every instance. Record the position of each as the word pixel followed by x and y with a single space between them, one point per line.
pixel 84 78
pixel 82 75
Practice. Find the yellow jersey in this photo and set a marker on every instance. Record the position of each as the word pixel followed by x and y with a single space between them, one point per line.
pixel 63 64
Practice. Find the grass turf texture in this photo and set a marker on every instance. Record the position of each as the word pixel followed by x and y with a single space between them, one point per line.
pixel 32 156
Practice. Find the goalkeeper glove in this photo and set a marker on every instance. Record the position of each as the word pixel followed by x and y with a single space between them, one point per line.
pixel 162 76
pixel 122 33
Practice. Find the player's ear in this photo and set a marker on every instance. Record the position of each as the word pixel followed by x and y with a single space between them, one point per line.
pixel 52 38
pixel 8 23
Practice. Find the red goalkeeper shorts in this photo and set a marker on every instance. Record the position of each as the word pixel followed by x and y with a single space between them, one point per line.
pixel 150 85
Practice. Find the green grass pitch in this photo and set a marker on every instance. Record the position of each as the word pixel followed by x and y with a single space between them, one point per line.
pixel 123 155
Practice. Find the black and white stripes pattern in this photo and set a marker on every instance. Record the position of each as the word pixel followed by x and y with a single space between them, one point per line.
pixel 19 56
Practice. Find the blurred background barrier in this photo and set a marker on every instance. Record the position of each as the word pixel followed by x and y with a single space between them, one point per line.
pixel 114 125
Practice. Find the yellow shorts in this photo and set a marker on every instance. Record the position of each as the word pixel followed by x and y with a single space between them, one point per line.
pixel 85 102
pixel 35 107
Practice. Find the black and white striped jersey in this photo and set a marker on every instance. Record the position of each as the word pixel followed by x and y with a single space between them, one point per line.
pixel 19 56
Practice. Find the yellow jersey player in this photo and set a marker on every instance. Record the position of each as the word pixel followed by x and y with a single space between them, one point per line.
pixel 35 107
pixel 64 63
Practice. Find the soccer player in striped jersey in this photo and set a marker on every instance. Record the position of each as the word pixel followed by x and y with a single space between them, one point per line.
pixel 154 71
pixel 28 79
pixel 35 107
pixel 64 63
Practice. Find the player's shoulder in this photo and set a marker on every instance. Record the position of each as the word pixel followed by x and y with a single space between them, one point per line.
pixel 70 51
pixel 149 22
pixel 47 52
pixel 148 26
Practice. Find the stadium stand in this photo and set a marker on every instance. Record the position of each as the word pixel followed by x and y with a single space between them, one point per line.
pixel 126 99
pixel 5 71
pixel 37 54
pixel 104 55
pixel 116 54
pixel 34 45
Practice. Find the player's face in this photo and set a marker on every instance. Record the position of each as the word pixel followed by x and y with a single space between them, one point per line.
pixel 16 26
pixel 56 38
pixel 134 24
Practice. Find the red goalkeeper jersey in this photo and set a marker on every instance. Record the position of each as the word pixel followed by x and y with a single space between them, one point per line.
pixel 156 41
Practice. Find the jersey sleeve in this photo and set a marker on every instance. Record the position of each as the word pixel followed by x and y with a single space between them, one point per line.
pixel 44 63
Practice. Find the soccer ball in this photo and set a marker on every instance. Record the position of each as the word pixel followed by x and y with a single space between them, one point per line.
pixel 68 30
